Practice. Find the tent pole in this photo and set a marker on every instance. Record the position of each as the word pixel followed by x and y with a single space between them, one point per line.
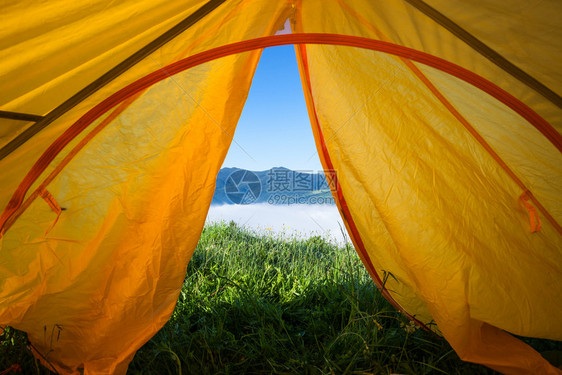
pixel 20 116
pixel 487 52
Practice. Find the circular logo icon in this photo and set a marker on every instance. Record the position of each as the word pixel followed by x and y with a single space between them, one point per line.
pixel 242 187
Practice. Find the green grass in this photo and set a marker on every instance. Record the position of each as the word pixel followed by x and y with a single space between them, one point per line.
pixel 255 304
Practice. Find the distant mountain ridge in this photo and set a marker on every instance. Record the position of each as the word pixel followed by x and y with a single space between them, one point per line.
pixel 277 186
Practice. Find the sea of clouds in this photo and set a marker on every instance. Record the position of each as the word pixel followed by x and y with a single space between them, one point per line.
pixel 304 220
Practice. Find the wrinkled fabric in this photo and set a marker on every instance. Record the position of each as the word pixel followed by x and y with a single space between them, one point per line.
pixel 434 173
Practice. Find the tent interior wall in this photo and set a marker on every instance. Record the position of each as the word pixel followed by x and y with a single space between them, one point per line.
pixel 441 118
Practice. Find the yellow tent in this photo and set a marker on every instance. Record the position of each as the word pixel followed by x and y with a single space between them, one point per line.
pixel 442 119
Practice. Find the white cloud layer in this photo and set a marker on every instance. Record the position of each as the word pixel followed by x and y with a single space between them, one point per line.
pixel 291 220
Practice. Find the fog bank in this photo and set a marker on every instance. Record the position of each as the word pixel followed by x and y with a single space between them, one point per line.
pixel 304 220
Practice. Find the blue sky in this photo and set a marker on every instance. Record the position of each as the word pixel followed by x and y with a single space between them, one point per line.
pixel 274 129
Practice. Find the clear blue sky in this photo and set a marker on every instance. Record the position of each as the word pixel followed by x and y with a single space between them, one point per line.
pixel 274 129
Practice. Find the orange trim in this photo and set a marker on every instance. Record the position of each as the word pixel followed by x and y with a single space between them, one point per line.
pixel 538 122
pixel 341 202
pixel 457 115
pixel 482 142
pixel 51 201
pixel 486 51
pixel 12 368
pixel 41 189
pixel 534 219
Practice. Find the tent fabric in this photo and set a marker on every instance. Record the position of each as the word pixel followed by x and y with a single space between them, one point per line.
pixel 443 185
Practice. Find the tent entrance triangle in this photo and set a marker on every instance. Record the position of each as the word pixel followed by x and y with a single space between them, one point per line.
pixel 272 176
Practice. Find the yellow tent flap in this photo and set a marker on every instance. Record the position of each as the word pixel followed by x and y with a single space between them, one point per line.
pixel 441 119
